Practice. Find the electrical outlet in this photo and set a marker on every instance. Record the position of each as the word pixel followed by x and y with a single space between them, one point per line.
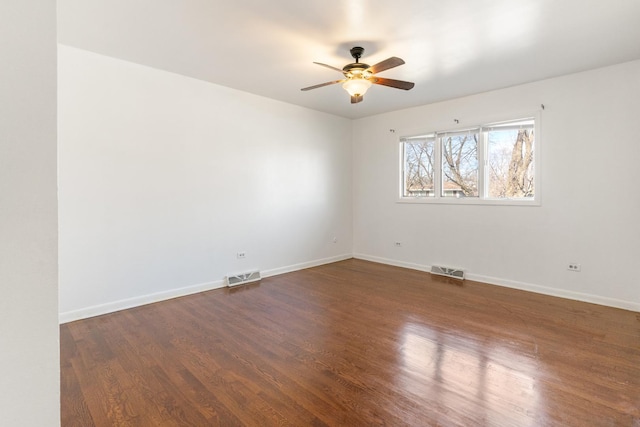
pixel 573 266
pixel 241 255
pixel 335 240
pixel 398 244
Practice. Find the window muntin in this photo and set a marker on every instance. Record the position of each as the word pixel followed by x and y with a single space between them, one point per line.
pixel 489 163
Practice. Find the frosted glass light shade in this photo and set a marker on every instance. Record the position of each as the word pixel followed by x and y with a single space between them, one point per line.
pixel 356 86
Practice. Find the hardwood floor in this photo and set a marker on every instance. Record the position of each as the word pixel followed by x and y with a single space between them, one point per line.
pixel 354 344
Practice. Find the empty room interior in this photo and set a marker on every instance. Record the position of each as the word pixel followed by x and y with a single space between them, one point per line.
pixel 411 213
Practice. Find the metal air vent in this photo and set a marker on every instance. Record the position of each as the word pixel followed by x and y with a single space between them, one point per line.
pixel 243 278
pixel 455 273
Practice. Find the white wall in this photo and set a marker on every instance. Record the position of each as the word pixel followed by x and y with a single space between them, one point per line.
pixel 29 360
pixel 164 178
pixel 590 173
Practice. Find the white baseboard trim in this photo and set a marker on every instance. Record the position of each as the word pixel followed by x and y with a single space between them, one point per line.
pixel 114 306
pixel 110 307
pixel 393 262
pixel 555 292
pixel 303 265
pixel 545 290
pixel 97 310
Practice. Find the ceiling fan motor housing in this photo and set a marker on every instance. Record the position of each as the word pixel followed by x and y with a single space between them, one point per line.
pixel 356 69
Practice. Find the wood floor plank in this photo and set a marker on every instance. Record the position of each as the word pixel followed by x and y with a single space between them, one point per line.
pixel 75 412
pixel 354 343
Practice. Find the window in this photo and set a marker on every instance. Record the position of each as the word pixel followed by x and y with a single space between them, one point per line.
pixel 459 164
pixel 418 154
pixel 510 160
pixel 493 163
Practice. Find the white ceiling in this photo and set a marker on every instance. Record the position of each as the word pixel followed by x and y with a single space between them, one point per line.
pixel 451 48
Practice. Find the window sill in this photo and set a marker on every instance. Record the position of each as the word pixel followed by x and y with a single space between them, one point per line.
pixel 467 201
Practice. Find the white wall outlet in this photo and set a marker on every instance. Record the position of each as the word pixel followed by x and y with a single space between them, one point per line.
pixel 241 255
pixel 398 244
pixel 573 266
pixel 335 240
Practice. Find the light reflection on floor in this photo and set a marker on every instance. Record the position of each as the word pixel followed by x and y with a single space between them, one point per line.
pixel 470 376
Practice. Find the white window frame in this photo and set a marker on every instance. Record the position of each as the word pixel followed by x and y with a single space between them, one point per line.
pixel 482 199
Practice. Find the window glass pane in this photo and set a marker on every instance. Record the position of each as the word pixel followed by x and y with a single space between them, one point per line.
pixel 510 162
pixel 418 167
pixel 460 164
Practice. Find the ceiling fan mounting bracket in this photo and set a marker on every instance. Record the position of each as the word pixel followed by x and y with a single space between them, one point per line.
pixel 357 52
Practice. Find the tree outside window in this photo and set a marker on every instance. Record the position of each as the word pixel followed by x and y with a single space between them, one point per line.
pixel 460 165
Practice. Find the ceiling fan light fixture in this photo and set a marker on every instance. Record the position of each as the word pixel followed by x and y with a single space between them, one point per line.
pixel 356 86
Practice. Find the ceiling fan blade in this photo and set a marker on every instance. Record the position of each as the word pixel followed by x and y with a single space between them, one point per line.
pixel 328 66
pixel 398 84
pixel 356 99
pixel 386 64
pixel 322 84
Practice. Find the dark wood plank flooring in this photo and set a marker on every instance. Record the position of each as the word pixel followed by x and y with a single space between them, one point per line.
pixel 354 344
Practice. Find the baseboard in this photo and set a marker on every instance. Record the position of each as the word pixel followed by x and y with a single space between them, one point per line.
pixel 303 265
pixel 393 262
pixel 544 290
pixel 555 292
pixel 114 306
pixel 124 304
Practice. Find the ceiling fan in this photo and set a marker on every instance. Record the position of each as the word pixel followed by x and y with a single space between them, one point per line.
pixel 360 76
